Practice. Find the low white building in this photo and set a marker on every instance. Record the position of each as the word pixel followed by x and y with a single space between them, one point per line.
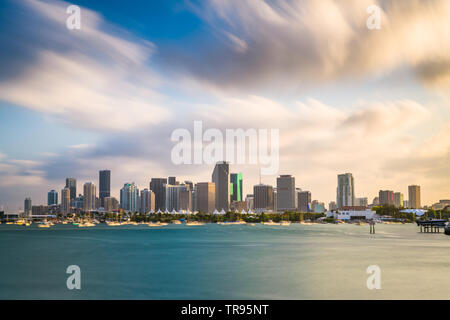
pixel 349 214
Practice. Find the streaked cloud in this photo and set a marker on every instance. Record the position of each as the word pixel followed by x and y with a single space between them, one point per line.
pixel 295 43
pixel 88 78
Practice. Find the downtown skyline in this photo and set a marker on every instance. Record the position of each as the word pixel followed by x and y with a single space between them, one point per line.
pixel 110 94
pixel 281 200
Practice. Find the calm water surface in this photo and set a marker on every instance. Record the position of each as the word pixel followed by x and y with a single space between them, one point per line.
pixel 223 262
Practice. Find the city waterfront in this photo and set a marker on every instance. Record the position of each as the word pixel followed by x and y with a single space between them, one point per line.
pixel 211 261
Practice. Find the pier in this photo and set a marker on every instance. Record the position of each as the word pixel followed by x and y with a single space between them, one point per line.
pixel 431 226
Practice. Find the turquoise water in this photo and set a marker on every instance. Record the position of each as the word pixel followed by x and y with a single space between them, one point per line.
pixel 223 262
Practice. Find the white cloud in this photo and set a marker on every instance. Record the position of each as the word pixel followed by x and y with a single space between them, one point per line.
pixel 89 78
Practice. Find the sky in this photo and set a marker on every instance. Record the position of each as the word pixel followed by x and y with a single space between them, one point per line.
pixel 345 98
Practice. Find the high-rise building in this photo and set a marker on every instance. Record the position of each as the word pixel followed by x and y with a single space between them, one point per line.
pixel 405 204
pixel 173 195
pixel 345 195
pixel 414 197
pixel 129 197
pixel 172 180
pixel 386 197
pixel 65 201
pixel 304 201
pixel 236 187
pixel 398 199
pixel 52 198
pixel 157 185
pixel 147 201
pixel 27 206
pixel 376 201
pixel 332 206
pixel 221 177
pixel 111 204
pixel 206 196
pixel 361 202
pixel 104 186
pixel 286 193
pixel 262 198
pixel 250 201
pixel 89 196
pixel 185 201
pixel 71 183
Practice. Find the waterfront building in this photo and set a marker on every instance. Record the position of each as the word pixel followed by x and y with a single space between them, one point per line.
pixel 52 198
pixel 221 178
pixel 304 201
pixel 104 186
pixel 78 202
pixel 111 204
pixel 27 206
pixel 206 196
pixel 262 198
pixel 236 187
pixel 129 197
pixel 366 214
pixel 185 201
pixel 147 201
pixel 157 185
pixel 39 210
pixel 398 199
pixel 319 207
pixel 414 197
pixel 89 196
pixel 65 201
pixel 238 205
pixel 71 183
pixel 345 194
pixel 173 196
pixel 286 193
pixel 250 201
pixel 386 197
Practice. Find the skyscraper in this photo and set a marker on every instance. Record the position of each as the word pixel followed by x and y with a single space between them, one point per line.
pixel 111 204
pixel 262 198
pixel 345 191
pixel 386 197
pixel 206 196
pixel 236 187
pixel 52 198
pixel 71 183
pixel 65 201
pixel 27 206
pixel 89 196
pixel 129 197
pixel 414 197
pixel 221 177
pixel 172 180
pixel 304 201
pixel 286 193
pixel 147 201
pixel 157 185
pixel 104 186
pixel 398 199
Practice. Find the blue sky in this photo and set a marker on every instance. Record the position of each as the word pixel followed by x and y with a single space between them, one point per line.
pixel 345 98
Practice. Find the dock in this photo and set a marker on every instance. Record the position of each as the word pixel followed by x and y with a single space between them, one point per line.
pixel 431 226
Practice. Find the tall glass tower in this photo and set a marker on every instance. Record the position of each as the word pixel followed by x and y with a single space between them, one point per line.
pixel 236 187
pixel 104 186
